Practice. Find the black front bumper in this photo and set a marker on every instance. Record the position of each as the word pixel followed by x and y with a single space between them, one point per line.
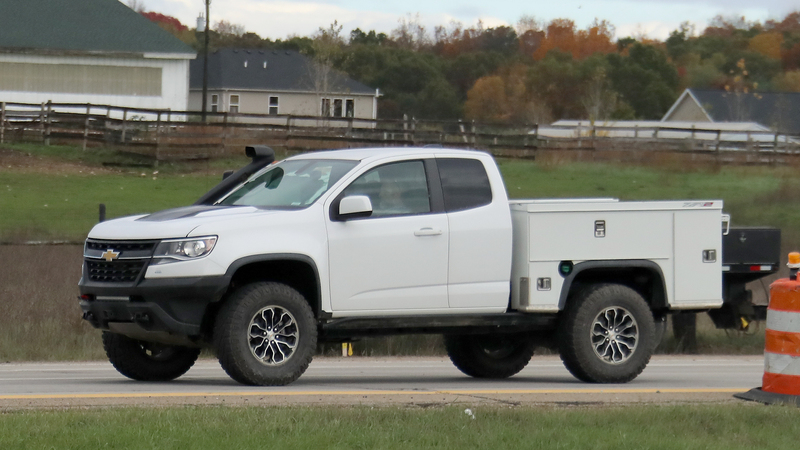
pixel 154 307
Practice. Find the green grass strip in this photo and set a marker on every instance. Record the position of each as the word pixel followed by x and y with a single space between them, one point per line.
pixel 731 426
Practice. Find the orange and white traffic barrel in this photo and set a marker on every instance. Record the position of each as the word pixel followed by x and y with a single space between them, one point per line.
pixel 781 382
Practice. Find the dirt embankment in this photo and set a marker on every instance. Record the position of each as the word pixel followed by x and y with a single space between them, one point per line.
pixel 23 162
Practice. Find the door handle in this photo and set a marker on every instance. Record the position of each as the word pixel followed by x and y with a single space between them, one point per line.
pixel 427 232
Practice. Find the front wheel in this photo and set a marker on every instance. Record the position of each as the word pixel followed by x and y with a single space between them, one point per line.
pixel 606 334
pixel 489 356
pixel 147 361
pixel 265 335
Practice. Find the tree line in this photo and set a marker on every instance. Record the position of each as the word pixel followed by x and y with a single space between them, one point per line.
pixel 537 72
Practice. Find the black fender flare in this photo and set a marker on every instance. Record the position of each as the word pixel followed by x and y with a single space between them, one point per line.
pixel 272 257
pixel 648 265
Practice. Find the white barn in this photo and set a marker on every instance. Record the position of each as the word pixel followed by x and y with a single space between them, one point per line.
pixel 90 51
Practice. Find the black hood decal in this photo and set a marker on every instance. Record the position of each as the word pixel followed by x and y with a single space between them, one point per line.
pixel 179 213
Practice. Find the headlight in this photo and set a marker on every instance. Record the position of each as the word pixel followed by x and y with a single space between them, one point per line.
pixel 183 249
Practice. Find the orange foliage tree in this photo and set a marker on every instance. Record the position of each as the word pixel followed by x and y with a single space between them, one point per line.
pixel 561 34
pixel 504 98
pixel 768 44
pixel 487 100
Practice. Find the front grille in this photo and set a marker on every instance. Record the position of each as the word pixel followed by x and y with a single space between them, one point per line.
pixel 120 246
pixel 128 259
pixel 115 271
pixel 129 249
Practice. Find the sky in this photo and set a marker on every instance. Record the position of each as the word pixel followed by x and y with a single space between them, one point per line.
pixel 279 19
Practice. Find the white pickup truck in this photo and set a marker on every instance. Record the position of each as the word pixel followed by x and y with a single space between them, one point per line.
pixel 334 246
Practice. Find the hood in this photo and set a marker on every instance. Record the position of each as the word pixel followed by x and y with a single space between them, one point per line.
pixel 172 223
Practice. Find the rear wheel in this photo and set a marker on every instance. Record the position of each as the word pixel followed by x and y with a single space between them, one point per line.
pixel 147 361
pixel 489 356
pixel 265 335
pixel 607 334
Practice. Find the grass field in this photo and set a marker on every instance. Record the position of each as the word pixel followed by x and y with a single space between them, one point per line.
pixel 728 427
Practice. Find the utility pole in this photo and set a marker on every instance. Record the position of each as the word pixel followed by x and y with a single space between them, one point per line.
pixel 205 61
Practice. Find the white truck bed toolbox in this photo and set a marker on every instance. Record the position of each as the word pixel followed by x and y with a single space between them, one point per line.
pixel 683 238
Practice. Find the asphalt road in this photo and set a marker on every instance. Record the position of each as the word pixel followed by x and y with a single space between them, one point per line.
pixel 376 381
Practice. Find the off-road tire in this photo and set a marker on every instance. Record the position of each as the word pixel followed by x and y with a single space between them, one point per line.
pixel 145 361
pixel 489 356
pixel 233 335
pixel 582 321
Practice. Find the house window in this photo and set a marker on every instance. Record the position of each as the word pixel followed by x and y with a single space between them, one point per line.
pixel 214 102
pixel 325 110
pixel 337 107
pixel 234 104
pixel 273 106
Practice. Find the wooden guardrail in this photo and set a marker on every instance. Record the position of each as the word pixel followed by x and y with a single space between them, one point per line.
pixel 165 134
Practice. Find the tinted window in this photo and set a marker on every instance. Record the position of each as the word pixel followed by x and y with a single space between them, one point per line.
pixel 464 183
pixel 394 189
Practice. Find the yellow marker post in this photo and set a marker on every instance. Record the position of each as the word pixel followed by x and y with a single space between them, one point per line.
pixel 347 349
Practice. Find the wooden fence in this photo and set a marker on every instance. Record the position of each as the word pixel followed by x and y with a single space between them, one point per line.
pixel 166 135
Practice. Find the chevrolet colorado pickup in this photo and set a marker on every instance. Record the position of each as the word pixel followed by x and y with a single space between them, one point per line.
pixel 338 245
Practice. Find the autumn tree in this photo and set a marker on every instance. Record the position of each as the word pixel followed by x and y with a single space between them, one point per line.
pixel 456 39
pixel 169 24
pixel 768 44
pixel 487 100
pixel 561 34
pixel 411 34
pixel 505 98
pixel 789 24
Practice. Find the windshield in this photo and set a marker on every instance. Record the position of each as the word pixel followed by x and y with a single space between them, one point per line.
pixel 289 184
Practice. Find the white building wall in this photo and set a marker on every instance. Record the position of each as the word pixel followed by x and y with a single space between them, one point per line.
pixel 174 82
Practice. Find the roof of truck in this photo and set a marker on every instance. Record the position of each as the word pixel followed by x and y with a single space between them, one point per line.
pixel 360 154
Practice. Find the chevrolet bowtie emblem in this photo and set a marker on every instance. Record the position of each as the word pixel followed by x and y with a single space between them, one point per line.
pixel 109 255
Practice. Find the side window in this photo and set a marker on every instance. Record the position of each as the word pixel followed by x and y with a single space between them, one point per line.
pixel 465 184
pixel 337 107
pixel 394 189
pixel 325 107
pixel 273 105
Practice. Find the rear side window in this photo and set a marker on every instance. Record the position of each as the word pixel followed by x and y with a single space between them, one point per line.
pixel 464 183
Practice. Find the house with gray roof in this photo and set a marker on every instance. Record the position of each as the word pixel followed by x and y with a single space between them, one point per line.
pixel 778 111
pixel 278 82
pixel 90 51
